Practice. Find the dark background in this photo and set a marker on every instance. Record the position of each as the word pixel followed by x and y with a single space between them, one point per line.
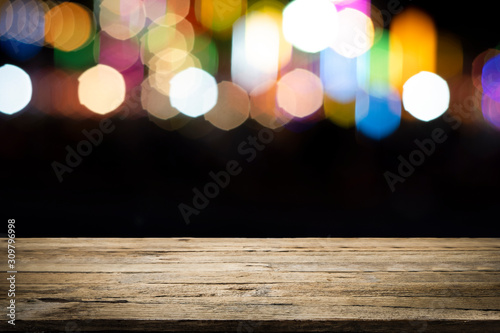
pixel 318 180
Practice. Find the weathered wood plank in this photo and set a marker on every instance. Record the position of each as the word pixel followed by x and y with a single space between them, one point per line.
pixel 251 285
pixel 262 244
pixel 444 278
pixel 273 289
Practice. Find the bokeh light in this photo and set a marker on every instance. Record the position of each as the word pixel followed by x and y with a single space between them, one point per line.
pixel 491 111
pixel 465 100
pixel 289 62
pixel 170 61
pixel 256 49
pixel 363 71
pixel 379 81
pixel 450 56
pixel 205 50
pixel 232 108
pixel 378 21
pixel 262 43
pixel 219 15
pixel 355 35
pixel 490 78
pixel 171 124
pixel 55 92
pixel 413 46
pixel 179 8
pixel 101 89
pixel 133 75
pixel 117 53
pixel 264 108
pixel 167 34
pixel 426 96
pixel 300 93
pixel 79 59
pixel 359 5
pixel 15 89
pixel 122 19
pixel 22 28
pixel 310 25
pixel 47 86
pixel 274 10
pixel 167 65
pixel 377 116
pixel 69 26
pixel 341 114
pixel 193 92
pixel 478 65
pixel 156 103
pixel 338 75
pixel 155 9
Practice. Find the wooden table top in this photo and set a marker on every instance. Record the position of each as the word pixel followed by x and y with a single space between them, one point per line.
pixel 255 285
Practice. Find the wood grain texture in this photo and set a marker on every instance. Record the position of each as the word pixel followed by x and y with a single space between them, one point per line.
pixel 256 285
